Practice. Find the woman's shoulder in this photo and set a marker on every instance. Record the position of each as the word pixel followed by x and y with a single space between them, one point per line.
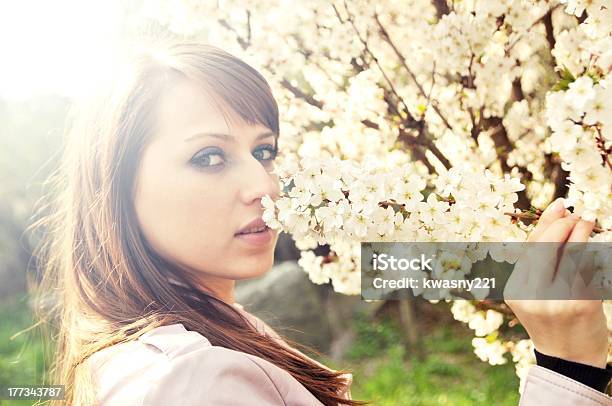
pixel 169 364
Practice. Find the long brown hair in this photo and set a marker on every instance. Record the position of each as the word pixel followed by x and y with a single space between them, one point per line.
pixel 102 283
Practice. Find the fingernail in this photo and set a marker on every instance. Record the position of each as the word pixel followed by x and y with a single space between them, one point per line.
pixel 558 206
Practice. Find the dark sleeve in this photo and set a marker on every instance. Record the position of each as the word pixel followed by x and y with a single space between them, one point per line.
pixel 596 378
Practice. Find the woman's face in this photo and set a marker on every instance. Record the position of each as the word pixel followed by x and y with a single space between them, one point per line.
pixel 200 181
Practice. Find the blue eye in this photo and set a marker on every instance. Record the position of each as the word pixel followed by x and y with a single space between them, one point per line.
pixel 208 158
pixel 267 153
pixel 214 157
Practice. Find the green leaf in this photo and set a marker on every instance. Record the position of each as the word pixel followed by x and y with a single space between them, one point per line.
pixel 566 78
pixel 566 74
pixel 562 84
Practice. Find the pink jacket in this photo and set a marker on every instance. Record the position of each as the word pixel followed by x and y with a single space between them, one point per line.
pixel 170 365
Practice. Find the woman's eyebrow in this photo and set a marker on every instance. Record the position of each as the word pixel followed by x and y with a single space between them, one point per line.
pixel 227 137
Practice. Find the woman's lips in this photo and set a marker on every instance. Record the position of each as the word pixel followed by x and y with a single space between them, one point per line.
pixel 261 238
pixel 255 224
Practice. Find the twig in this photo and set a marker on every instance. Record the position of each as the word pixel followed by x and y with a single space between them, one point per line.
pixel 603 151
pixel 504 146
pixel 375 59
pixel 550 34
pixel 441 7
pixel 338 14
pixel 388 40
pixel 424 141
pixel 433 82
pixel 409 121
pixel 517 90
pixel 297 92
pixel 244 44
pixel 437 153
pixel 527 217
pixel 249 33
pixel 536 22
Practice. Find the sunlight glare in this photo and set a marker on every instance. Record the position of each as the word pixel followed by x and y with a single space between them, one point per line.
pixel 61 46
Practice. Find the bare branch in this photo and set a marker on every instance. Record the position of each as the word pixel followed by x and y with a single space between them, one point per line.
pixel 504 146
pixel 433 82
pixel 536 22
pixel 244 44
pixel 388 95
pixel 441 7
pixel 550 33
pixel 560 177
pixel 370 124
pixel 387 39
pixel 375 59
pixel 249 33
pixel 517 90
pixel 413 144
pixel 603 151
pixel 475 130
pixel 424 141
pixel 297 92
pixel 419 154
pixel 438 154
pixel 338 14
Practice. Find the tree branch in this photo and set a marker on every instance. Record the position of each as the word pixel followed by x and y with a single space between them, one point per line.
pixel 387 94
pixel 603 151
pixel 297 92
pixel 504 146
pixel 441 7
pixel 389 41
pixel 550 33
pixel 424 141
pixel 536 22
pixel 244 43
pixel 409 121
pixel 375 59
pixel 558 176
pixel 517 90
pixel 419 155
pixel 428 143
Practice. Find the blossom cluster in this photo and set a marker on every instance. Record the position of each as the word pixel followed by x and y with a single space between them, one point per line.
pixel 579 111
pixel 339 203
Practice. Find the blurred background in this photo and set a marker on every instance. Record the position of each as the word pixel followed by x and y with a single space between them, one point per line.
pixel 53 54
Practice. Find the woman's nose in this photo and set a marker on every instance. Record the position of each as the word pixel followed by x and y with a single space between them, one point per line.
pixel 258 181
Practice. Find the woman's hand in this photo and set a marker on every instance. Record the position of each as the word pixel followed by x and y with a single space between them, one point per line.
pixel 574 330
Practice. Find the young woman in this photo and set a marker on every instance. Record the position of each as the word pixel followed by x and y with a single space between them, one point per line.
pixel 158 213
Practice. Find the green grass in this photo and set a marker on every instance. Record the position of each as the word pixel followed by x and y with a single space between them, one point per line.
pixel 21 357
pixel 449 374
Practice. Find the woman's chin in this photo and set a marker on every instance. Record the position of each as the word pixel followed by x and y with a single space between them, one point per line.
pixel 259 271
pixel 253 267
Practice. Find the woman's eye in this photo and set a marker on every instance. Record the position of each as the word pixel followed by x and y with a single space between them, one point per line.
pixel 267 153
pixel 208 158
